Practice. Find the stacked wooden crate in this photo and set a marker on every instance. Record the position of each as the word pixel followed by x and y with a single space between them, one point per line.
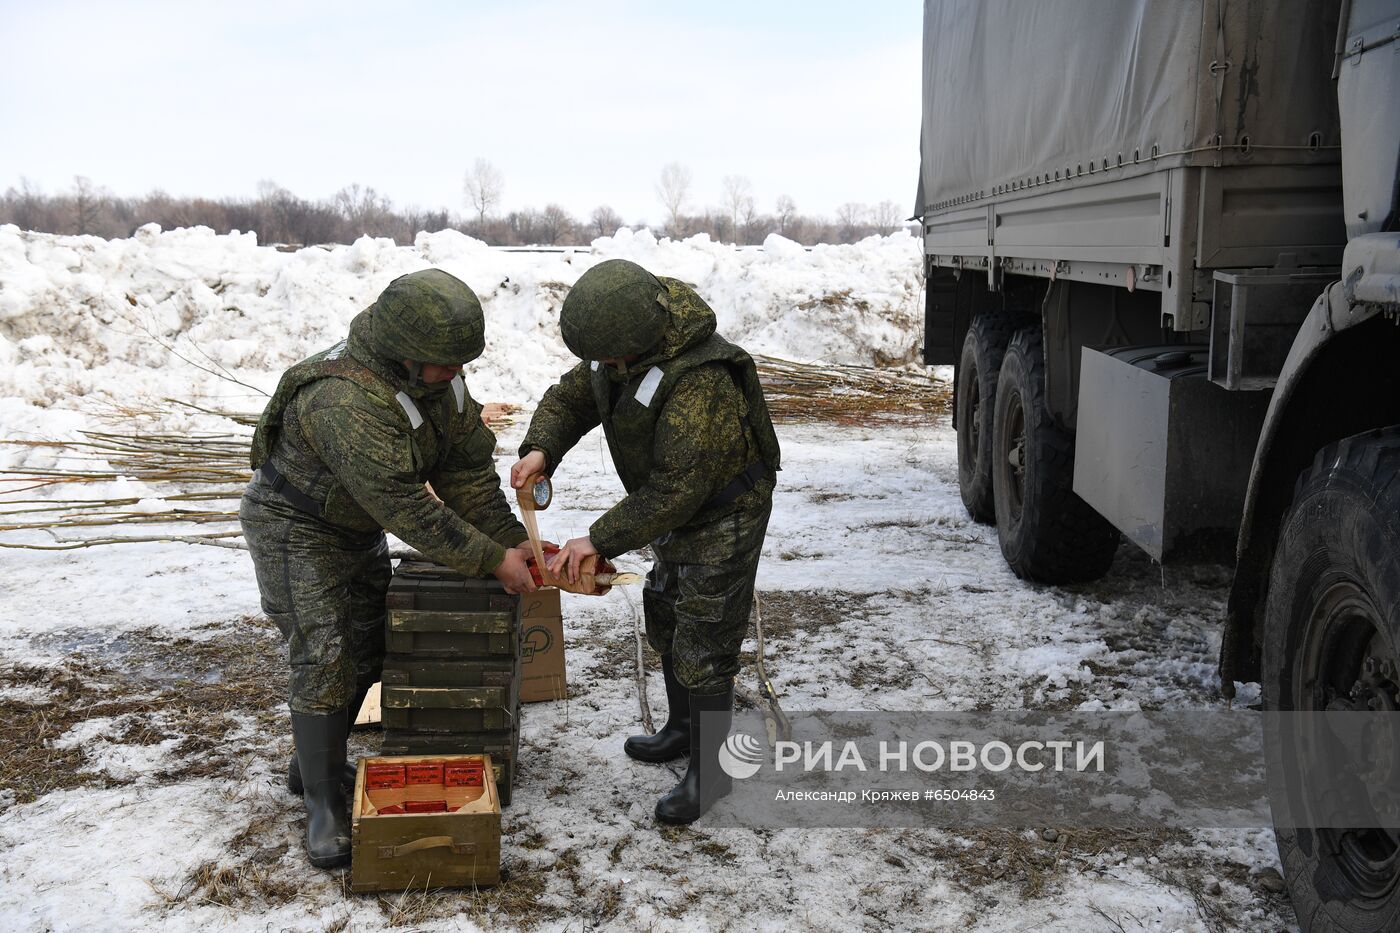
pixel 451 682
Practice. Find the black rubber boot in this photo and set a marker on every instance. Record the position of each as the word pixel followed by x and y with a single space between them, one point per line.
pixel 672 740
pixel 321 750
pixel 347 779
pixel 704 782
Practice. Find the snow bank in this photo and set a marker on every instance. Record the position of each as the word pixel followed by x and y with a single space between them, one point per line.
pixel 83 316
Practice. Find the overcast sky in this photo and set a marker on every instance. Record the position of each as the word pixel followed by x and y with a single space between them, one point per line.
pixel 575 102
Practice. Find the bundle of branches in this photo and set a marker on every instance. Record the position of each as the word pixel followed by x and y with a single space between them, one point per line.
pixel 198 478
pixel 833 393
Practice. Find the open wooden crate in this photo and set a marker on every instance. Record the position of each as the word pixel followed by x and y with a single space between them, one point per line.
pixel 394 851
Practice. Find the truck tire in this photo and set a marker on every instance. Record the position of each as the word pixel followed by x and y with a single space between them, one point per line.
pixel 1332 641
pixel 1047 533
pixel 978 368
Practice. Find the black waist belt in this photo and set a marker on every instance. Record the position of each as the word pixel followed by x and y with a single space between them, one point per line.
pixel 286 490
pixel 740 484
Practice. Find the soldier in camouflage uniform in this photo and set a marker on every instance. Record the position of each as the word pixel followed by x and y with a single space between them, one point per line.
pixel 689 432
pixel 341 453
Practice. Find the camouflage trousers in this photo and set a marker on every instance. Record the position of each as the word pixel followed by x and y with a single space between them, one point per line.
pixel 324 588
pixel 699 613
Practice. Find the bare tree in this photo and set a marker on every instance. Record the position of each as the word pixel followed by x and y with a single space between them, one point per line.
pixel 556 224
pixel 277 215
pixel 484 186
pixel 27 207
pixel 785 211
pixel 673 188
pixel 605 221
pixel 89 202
pixel 364 209
pixel 738 201
pixel 523 226
pixel 849 218
pixel 886 217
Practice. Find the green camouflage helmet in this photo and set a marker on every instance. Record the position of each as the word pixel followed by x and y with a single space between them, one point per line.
pixel 615 309
pixel 428 317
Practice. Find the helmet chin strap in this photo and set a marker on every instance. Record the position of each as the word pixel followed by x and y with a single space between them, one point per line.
pixel 415 374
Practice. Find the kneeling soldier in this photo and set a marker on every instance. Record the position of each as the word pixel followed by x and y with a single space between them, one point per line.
pixel 342 452
pixel 690 435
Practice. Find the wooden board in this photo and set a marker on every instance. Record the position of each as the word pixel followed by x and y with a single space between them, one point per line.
pixel 369 709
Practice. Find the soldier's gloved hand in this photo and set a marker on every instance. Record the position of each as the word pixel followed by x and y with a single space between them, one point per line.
pixel 514 573
pixel 526 467
pixel 570 555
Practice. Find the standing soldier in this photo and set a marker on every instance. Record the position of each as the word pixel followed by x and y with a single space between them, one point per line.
pixel 341 453
pixel 689 433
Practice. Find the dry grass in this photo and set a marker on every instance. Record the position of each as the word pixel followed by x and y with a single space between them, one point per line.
pixel 517 900
pixel 246 885
pixel 977 858
pixel 159 688
pixel 787 613
pixel 30 765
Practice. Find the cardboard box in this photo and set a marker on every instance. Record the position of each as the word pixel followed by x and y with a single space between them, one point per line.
pixel 424 835
pixel 542 674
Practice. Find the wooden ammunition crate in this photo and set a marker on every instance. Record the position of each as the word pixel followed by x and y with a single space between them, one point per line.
pixel 420 585
pixel 394 852
pixel 436 613
pixel 451 679
pixel 448 709
pixel 503 748
pixel 452 634
pixel 450 696
pixel 409 671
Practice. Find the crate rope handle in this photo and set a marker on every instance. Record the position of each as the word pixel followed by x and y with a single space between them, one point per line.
pixel 428 842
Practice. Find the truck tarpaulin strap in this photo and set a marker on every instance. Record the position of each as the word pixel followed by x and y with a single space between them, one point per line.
pixel 286 490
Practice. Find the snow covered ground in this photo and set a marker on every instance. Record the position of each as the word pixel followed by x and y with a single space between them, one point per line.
pixel 148 684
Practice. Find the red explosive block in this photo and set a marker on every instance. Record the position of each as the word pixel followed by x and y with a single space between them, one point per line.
pixel 426 806
pixel 392 808
pixel 425 773
pixel 381 776
pixel 463 774
pixel 547 552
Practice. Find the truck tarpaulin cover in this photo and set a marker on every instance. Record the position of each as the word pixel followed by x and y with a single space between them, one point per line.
pixel 1013 90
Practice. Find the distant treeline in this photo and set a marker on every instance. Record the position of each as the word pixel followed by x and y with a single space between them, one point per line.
pixel 277 215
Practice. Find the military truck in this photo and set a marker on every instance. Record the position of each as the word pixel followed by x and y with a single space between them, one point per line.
pixel 1162 256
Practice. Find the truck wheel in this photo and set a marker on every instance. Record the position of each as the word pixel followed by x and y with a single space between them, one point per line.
pixel 978 368
pixel 1047 532
pixel 1332 642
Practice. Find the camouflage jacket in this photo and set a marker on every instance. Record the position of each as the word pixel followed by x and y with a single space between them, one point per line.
pixel 345 429
pixel 681 424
